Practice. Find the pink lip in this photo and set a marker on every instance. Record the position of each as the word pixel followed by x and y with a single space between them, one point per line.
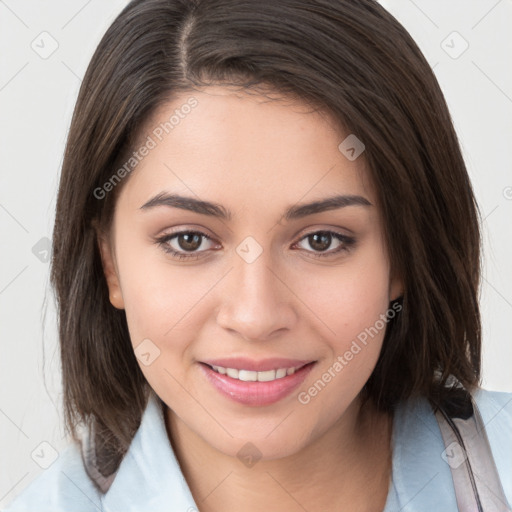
pixel 256 393
pixel 243 363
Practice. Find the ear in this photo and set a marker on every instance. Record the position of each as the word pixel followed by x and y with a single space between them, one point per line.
pixel 396 288
pixel 110 270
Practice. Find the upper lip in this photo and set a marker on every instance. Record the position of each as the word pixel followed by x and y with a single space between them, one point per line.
pixel 244 363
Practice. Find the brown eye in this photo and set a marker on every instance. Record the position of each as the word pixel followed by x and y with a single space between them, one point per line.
pixel 320 241
pixel 185 244
pixel 189 241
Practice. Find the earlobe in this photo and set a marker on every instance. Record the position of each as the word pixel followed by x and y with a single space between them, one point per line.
pixel 396 289
pixel 109 270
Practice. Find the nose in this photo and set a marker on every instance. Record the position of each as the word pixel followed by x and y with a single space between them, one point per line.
pixel 256 301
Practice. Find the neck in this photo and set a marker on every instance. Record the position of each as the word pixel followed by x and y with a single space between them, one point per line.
pixel 347 468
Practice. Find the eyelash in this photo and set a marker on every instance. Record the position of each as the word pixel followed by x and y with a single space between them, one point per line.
pixel 347 244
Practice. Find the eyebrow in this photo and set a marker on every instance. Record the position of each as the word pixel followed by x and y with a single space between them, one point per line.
pixel 294 212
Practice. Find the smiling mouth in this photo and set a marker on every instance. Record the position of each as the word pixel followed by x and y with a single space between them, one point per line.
pixel 253 376
pixel 256 388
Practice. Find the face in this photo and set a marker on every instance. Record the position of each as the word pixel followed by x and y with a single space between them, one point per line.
pixel 255 280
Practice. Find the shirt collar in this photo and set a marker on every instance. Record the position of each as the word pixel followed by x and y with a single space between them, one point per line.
pixel 149 476
pixel 421 480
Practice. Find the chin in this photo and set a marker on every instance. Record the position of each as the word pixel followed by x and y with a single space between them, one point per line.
pixel 252 446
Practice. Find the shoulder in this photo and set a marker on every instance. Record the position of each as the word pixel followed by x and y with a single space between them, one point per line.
pixel 495 407
pixel 64 486
pixel 422 480
pixel 495 403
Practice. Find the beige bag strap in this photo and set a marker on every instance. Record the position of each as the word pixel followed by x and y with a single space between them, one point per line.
pixel 468 453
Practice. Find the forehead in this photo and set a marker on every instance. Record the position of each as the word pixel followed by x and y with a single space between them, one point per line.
pixel 235 147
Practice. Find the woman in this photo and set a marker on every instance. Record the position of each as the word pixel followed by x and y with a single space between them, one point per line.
pixel 266 258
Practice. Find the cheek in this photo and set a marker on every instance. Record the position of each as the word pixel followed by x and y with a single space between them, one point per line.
pixel 351 314
pixel 346 300
pixel 163 312
pixel 160 305
pixel 147 294
pixel 164 302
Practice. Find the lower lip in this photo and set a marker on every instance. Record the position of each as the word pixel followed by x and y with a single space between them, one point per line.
pixel 256 393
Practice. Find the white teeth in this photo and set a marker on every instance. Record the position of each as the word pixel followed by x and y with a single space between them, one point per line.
pixel 280 373
pixel 267 376
pixel 251 376
pixel 232 372
pixel 247 376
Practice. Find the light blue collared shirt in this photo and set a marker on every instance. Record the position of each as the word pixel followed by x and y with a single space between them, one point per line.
pixel 150 479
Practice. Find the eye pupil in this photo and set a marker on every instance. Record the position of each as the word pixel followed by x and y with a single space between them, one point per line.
pixel 320 241
pixel 192 241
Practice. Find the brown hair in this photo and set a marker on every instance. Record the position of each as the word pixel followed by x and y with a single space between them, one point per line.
pixel 353 59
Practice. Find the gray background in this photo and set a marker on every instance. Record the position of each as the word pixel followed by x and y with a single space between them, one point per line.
pixel 37 94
